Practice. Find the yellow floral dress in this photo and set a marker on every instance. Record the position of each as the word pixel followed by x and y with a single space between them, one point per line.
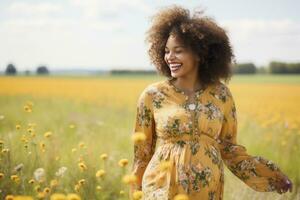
pixel 194 139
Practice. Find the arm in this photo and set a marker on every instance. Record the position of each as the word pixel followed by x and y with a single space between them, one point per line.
pixel 145 125
pixel 258 173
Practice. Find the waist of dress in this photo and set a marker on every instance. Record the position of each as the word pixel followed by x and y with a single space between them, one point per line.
pixel 186 138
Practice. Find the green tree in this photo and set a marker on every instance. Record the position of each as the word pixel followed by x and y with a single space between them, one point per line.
pixel 11 69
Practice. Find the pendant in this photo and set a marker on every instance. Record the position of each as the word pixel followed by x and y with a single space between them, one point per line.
pixel 192 106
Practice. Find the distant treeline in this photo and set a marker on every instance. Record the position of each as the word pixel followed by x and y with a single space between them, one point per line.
pixel 240 68
pixel 272 68
pixel 12 70
pixel 122 71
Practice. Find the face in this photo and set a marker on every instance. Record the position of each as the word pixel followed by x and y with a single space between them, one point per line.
pixel 182 61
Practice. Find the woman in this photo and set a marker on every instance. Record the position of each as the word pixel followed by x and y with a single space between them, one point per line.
pixel 187 125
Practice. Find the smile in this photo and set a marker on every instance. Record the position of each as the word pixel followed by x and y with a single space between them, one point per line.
pixel 174 66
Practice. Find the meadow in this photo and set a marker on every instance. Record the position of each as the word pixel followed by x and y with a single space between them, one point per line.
pixel 72 135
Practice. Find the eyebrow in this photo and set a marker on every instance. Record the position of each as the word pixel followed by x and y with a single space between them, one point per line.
pixel 181 46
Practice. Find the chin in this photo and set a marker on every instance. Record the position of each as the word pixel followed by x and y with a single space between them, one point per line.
pixel 176 75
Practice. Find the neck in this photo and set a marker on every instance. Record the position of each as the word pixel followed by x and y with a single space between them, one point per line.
pixel 188 84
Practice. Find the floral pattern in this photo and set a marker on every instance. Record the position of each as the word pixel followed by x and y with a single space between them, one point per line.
pixel 174 127
pixel 194 177
pixel 178 133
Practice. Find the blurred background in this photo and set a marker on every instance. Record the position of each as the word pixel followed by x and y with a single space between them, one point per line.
pixel 71 72
pixel 98 35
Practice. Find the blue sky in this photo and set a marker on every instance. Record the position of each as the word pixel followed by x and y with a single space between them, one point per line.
pixel 98 34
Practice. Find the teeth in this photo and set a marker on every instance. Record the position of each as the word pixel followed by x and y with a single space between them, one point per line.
pixel 175 65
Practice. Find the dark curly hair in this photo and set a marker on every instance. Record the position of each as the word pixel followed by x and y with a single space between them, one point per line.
pixel 200 33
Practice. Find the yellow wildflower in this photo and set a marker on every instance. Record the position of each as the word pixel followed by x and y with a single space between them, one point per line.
pixel 81 182
pixel 23 198
pixel 37 188
pixel 53 183
pixel 18 126
pixel 74 150
pixel 32 134
pixel 9 197
pixel 137 195
pixel 181 197
pixel 40 195
pixel 98 188
pixel 100 173
pixel 29 103
pixel 73 197
pixel 47 190
pixel 30 130
pixel 82 166
pixel 138 137
pixel 123 162
pixel 71 126
pixel 15 178
pixel 48 134
pixel 27 109
pixel 31 181
pixel 77 188
pixel 58 196
pixel 103 156
pixel 24 139
pixel 31 125
pixel 122 192
pixel 81 145
pixel 5 150
pixel 129 179
pixel 43 146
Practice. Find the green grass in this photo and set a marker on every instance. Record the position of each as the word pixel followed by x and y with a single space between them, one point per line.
pixel 106 129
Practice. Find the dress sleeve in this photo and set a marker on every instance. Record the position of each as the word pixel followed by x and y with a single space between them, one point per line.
pixel 258 173
pixel 144 125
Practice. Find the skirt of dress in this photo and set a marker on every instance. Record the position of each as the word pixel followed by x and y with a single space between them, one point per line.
pixel 194 168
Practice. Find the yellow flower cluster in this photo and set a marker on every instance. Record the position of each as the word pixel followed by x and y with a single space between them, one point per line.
pixel 138 137
pixel 28 107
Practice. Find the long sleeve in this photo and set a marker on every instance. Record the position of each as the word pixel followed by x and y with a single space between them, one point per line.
pixel 258 173
pixel 145 126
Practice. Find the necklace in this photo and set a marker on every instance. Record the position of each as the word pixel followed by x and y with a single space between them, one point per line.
pixel 185 92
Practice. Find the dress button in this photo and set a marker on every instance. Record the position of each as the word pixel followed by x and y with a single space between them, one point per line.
pixel 192 106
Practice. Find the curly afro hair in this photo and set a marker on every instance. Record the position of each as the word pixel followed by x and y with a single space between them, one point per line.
pixel 200 33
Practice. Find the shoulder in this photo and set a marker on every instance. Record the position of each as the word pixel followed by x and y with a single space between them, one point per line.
pixel 221 91
pixel 154 88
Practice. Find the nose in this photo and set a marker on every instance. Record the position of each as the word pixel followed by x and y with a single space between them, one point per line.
pixel 170 56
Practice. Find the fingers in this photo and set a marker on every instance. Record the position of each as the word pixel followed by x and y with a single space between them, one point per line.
pixel 291 187
pixel 284 186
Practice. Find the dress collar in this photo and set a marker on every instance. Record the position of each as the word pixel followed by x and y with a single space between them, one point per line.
pixel 178 90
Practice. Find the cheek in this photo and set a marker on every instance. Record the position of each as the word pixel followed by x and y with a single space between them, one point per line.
pixel 165 59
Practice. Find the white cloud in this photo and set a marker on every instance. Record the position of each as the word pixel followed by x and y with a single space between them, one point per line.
pixel 95 8
pixel 33 9
pixel 246 28
pixel 264 40
pixel 62 24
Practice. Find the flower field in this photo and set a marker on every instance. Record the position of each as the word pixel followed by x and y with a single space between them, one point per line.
pixel 70 138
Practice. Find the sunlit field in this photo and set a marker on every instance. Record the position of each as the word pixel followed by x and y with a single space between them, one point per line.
pixel 72 135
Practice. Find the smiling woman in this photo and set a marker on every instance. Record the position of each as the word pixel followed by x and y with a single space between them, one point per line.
pixel 198 35
pixel 189 121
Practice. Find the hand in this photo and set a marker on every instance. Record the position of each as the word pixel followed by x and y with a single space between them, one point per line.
pixel 283 184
